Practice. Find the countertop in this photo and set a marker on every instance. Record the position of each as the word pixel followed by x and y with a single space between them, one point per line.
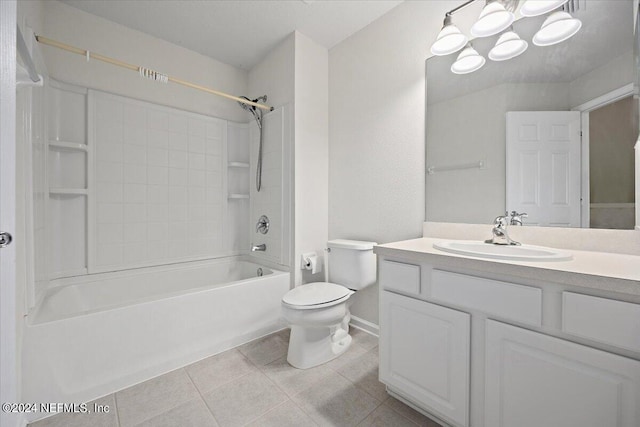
pixel 595 270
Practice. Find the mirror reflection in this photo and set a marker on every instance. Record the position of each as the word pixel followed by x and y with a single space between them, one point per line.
pixel 550 132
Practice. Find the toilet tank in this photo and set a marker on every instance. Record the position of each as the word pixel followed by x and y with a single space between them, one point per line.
pixel 352 263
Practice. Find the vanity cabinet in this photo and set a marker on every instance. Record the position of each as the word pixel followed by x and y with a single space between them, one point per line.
pixel 475 351
pixel 425 353
pixel 533 380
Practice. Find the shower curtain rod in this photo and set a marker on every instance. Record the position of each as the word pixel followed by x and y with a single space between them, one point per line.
pixel 145 72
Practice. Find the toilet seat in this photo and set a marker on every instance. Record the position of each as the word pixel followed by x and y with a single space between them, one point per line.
pixel 316 295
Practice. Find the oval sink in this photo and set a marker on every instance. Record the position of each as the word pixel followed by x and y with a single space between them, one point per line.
pixel 505 252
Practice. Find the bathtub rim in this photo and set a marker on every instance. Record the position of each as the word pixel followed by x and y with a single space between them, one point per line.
pixel 57 285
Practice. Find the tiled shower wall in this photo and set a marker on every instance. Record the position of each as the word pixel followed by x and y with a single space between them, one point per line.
pixel 159 184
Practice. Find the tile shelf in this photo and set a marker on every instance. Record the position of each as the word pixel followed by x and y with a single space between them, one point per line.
pixel 65 145
pixel 234 196
pixel 68 191
pixel 238 165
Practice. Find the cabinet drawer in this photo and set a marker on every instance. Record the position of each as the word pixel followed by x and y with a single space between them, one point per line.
pixel 600 319
pixel 398 276
pixel 506 300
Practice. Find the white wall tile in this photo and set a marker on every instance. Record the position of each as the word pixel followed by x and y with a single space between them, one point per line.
pixel 178 124
pixel 109 172
pixel 135 134
pixel 157 156
pixel 134 154
pixel 110 212
pixel 178 141
pixel 157 119
pixel 178 159
pixel 177 212
pixel 158 138
pixel 197 161
pixel 171 168
pixel 109 192
pixel 157 194
pixel 110 233
pixel 197 127
pixel 135 212
pixel 158 175
pixel 196 144
pixel 135 193
pixel 134 174
pixel 158 212
pixel 134 232
pixel 177 195
pixel 178 177
pixel 109 152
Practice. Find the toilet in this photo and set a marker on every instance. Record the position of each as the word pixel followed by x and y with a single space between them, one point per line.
pixel 318 312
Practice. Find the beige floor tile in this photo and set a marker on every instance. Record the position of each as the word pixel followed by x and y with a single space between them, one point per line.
pixel 220 369
pixel 66 419
pixel 286 415
pixel 244 399
pixel 191 414
pixel 336 402
pixel 267 349
pixel 363 339
pixel 384 416
pixel 363 372
pixel 352 353
pixel 410 413
pixel 154 397
pixel 292 380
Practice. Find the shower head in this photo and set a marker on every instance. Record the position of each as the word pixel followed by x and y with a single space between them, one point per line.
pixel 252 109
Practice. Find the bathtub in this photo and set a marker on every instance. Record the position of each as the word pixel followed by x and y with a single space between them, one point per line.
pixel 96 334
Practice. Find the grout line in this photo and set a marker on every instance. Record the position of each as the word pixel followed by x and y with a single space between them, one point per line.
pixel 115 402
pixel 262 415
pixel 201 396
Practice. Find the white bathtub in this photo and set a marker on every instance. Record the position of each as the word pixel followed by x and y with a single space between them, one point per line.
pixel 97 334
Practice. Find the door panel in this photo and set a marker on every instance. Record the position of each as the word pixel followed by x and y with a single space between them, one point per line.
pixel 543 166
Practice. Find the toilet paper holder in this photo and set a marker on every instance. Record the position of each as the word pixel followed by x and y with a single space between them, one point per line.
pixel 309 261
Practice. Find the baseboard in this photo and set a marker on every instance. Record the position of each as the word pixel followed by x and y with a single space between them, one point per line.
pixel 365 325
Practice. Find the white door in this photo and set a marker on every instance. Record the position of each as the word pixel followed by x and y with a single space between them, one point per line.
pixel 534 380
pixel 543 166
pixel 8 373
pixel 424 354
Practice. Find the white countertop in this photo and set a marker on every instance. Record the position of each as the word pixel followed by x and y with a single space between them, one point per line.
pixel 595 270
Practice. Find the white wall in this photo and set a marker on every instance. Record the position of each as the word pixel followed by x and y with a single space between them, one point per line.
pixel 377 131
pixel 311 153
pixel 86 31
pixel 611 76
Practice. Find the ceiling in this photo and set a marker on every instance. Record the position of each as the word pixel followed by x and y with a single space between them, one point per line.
pixel 239 32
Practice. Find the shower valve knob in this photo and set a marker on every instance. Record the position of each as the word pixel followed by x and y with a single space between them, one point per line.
pixel 262 226
pixel 5 239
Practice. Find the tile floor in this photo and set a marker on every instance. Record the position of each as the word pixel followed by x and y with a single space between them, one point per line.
pixel 252 385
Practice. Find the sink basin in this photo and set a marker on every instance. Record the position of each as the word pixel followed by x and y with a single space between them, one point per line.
pixel 513 253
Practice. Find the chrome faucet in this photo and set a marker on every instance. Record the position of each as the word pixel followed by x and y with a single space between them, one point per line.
pixel 516 218
pixel 259 248
pixel 499 230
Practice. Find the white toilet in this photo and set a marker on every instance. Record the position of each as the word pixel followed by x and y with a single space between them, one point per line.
pixel 319 312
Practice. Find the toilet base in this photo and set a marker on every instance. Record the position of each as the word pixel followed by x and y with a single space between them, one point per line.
pixel 309 347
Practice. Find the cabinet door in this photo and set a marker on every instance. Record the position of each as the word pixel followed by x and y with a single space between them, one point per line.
pixel 424 354
pixel 535 380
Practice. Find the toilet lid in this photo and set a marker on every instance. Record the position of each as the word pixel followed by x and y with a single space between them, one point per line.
pixel 315 293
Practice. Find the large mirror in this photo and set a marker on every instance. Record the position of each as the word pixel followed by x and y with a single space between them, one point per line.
pixel 550 132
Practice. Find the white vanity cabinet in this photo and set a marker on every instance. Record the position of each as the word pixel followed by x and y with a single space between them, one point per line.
pixel 533 380
pixel 475 351
pixel 424 351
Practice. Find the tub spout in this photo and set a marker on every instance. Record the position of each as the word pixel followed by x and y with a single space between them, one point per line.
pixel 261 247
